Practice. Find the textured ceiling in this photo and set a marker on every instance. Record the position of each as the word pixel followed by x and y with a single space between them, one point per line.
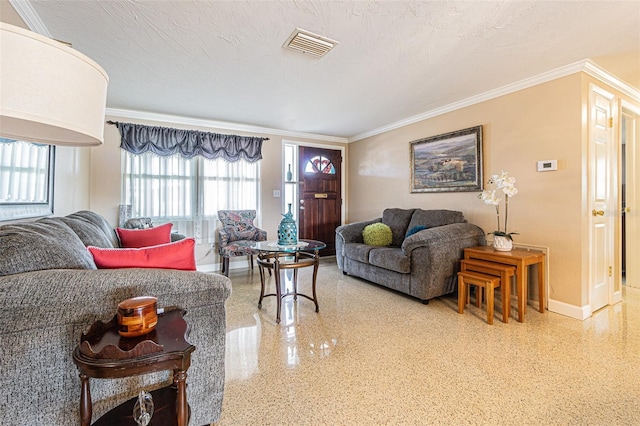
pixel 224 61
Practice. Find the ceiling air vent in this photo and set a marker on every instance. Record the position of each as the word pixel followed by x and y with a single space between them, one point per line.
pixel 309 43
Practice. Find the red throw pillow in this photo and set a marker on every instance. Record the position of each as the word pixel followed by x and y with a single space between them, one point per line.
pixel 136 238
pixel 176 255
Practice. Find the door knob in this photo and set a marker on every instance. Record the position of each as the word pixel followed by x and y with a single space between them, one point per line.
pixel 595 212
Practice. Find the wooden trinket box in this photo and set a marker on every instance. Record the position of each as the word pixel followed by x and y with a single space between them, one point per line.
pixel 137 316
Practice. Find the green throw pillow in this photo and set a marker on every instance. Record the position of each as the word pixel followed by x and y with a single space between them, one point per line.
pixel 377 234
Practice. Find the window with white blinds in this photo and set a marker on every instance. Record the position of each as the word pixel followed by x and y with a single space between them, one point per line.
pixel 24 172
pixel 26 179
pixel 188 192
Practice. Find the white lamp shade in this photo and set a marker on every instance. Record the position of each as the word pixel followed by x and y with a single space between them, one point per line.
pixel 49 92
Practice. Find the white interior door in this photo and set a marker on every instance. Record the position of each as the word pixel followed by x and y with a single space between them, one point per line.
pixel 601 168
pixel 631 207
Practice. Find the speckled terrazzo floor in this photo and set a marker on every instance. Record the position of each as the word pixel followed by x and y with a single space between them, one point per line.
pixel 372 356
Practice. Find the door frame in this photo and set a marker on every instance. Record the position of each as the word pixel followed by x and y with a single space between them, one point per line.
pixel 625 108
pixel 343 184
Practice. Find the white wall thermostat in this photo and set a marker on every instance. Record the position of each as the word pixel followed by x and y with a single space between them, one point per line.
pixel 547 165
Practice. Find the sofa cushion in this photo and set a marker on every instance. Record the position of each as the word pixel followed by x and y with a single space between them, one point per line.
pixel 390 258
pixel 88 232
pixel 100 222
pixel 358 251
pixel 136 238
pixel 46 244
pixel 177 255
pixel 398 220
pixel 377 234
pixel 433 218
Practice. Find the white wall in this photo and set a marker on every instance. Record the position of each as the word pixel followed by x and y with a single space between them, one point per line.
pixel 71 189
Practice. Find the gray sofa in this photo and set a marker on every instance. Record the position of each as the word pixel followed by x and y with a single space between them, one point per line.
pixel 51 291
pixel 422 265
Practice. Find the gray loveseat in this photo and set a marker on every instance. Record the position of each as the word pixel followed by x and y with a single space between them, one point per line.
pixel 51 291
pixel 422 265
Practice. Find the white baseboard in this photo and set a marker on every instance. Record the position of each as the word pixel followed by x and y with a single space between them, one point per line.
pixel 242 263
pixel 578 312
pixel 208 268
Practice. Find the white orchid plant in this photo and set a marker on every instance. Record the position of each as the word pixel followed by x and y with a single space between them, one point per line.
pixel 507 185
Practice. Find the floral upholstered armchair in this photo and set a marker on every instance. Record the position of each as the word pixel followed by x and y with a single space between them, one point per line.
pixel 237 236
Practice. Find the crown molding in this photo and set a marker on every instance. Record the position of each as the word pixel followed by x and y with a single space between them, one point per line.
pixel 220 125
pixel 30 17
pixel 595 71
pixel 586 66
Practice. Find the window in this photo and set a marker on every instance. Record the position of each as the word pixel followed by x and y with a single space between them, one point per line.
pixel 188 192
pixel 291 179
pixel 320 164
pixel 26 179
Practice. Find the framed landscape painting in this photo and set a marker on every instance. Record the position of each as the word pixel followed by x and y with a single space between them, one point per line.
pixel 450 162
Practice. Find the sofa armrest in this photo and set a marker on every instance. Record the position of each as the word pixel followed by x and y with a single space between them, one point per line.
pixel 223 237
pixel 66 296
pixel 439 236
pixel 176 236
pixel 261 235
pixel 350 233
pixel 435 257
pixel 44 313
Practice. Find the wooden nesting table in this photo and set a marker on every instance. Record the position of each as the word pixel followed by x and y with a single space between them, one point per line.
pixel 521 259
pixel 102 353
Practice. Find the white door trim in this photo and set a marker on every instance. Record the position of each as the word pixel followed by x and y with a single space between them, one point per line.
pixel 632 231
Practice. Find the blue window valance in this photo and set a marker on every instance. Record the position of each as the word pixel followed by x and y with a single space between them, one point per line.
pixel 138 139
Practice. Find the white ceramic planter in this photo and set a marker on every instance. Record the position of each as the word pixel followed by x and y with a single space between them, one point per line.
pixel 501 243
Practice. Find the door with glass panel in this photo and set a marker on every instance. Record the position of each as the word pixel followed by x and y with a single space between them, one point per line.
pixel 320 197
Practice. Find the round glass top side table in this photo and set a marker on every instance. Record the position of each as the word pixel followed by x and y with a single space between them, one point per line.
pixel 271 255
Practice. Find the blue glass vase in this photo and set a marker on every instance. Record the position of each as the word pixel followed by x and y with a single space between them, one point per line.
pixel 287 231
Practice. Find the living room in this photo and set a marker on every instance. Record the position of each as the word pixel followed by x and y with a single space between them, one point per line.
pixel 540 117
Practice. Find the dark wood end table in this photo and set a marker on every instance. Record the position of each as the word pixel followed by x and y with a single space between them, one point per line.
pixel 104 354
